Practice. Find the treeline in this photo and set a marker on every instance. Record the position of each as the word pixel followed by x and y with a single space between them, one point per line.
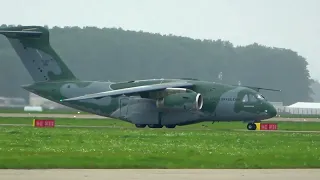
pixel 116 55
pixel 315 86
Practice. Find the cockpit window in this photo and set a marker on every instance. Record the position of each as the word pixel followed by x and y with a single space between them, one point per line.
pixel 252 98
pixel 260 97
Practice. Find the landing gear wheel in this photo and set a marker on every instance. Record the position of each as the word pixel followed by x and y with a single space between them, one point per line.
pixel 155 125
pixel 251 126
pixel 170 126
pixel 141 125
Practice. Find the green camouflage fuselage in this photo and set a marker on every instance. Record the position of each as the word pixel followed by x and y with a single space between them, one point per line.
pixel 220 102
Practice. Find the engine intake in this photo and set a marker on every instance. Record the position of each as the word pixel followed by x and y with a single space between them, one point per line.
pixel 181 101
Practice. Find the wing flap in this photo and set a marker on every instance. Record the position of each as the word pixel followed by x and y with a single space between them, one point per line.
pixel 131 90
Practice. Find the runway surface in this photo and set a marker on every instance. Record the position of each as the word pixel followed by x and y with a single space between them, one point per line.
pixel 160 174
pixel 82 116
pixel 92 116
pixel 193 129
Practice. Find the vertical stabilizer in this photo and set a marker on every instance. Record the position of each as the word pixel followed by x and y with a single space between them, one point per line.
pixel 32 45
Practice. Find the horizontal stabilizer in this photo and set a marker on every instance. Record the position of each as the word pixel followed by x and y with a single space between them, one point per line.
pixel 21 34
pixel 131 90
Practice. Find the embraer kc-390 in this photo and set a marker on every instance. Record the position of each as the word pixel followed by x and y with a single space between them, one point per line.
pixel 152 102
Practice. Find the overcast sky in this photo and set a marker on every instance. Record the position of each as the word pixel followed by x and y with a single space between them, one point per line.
pixel 293 24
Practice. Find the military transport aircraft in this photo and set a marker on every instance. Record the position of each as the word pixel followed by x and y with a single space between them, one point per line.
pixel 152 102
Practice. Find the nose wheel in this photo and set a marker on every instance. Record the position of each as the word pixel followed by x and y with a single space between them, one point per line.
pixel 251 126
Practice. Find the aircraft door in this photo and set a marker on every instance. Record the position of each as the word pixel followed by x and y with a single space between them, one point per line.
pixel 124 106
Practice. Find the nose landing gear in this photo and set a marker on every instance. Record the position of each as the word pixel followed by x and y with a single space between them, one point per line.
pixel 251 126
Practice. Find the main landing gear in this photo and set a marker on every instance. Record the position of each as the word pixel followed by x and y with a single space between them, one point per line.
pixel 251 126
pixel 141 125
pixel 154 126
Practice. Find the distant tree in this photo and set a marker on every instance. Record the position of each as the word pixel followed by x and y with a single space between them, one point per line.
pixel 315 86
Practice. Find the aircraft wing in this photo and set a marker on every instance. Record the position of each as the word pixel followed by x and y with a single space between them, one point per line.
pixel 137 89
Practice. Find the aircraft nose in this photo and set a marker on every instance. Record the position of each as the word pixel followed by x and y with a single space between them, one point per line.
pixel 272 112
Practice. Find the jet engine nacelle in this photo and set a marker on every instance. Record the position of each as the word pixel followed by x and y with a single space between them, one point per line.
pixel 181 101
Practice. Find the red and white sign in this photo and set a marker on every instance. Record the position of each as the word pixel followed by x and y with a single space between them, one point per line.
pixel 43 123
pixel 268 126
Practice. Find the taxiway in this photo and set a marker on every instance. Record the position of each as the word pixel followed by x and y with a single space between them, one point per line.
pixel 92 116
pixel 160 174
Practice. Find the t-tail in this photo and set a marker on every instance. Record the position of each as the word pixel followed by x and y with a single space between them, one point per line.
pixel 32 45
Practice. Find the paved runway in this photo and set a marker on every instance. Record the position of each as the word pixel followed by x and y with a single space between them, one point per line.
pixel 85 116
pixel 160 174
pixel 92 116
pixel 193 129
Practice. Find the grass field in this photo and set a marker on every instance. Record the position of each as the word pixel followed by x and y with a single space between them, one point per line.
pixel 202 145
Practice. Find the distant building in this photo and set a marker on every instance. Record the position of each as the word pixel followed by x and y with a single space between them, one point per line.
pixel 35 100
pixel 12 102
pixel 311 108
pixel 277 104
pixel 308 105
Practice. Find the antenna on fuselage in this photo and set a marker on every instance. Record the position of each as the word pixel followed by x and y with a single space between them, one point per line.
pixel 220 76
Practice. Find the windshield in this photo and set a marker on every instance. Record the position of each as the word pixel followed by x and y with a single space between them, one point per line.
pixel 249 98
pixel 259 96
